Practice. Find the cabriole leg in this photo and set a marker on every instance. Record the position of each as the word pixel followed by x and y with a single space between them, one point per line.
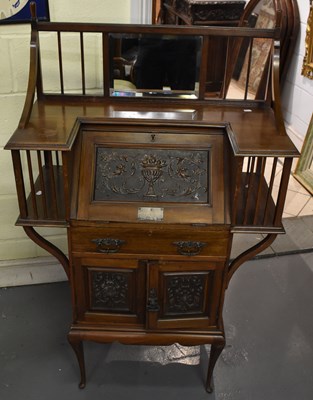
pixel 215 352
pixel 77 346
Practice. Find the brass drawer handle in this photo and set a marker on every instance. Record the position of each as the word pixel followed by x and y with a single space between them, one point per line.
pixel 189 248
pixel 108 245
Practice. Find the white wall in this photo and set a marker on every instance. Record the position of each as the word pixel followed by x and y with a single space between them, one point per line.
pixel 111 11
pixel 298 90
pixel 141 11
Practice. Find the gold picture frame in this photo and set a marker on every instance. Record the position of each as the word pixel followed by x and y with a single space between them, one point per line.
pixel 307 67
pixel 304 168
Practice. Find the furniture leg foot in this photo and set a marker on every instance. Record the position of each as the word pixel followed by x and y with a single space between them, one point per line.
pixel 77 346
pixel 215 352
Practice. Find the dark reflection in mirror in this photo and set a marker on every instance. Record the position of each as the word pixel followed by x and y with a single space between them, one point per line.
pixel 152 65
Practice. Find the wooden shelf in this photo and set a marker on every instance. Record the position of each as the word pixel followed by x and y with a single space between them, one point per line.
pixel 46 205
pixel 255 206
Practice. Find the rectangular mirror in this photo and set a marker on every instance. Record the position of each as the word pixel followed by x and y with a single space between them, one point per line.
pixel 150 65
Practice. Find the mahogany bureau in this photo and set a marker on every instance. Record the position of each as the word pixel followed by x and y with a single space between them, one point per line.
pixel 150 185
pixel 150 235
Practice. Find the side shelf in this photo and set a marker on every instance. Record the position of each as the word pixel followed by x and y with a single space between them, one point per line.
pixel 47 205
pixel 259 190
pixel 40 184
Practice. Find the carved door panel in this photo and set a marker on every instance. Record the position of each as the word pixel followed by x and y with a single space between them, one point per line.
pixel 183 294
pixel 109 291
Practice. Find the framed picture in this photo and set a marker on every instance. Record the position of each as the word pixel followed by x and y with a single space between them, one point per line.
pixel 307 67
pixel 18 11
pixel 304 169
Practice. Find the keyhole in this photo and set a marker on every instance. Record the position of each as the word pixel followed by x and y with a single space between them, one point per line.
pixel 153 137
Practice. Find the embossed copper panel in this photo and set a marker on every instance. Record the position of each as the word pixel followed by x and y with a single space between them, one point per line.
pixel 167 175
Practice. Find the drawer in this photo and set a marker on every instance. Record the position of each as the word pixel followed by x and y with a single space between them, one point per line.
pixel 150 240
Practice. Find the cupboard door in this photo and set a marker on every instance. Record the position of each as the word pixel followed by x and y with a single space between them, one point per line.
pixel 109 291
pixel 183 294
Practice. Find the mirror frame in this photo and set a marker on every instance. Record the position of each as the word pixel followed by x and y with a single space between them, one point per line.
pixel 304 169
pixel 307 67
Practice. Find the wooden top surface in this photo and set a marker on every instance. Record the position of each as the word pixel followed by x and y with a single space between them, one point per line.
pixel 54 125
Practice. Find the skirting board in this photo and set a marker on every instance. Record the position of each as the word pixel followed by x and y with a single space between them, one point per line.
pixel 30 271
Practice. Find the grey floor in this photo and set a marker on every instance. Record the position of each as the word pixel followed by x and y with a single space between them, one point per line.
pixel 269 353
pixel 298 238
